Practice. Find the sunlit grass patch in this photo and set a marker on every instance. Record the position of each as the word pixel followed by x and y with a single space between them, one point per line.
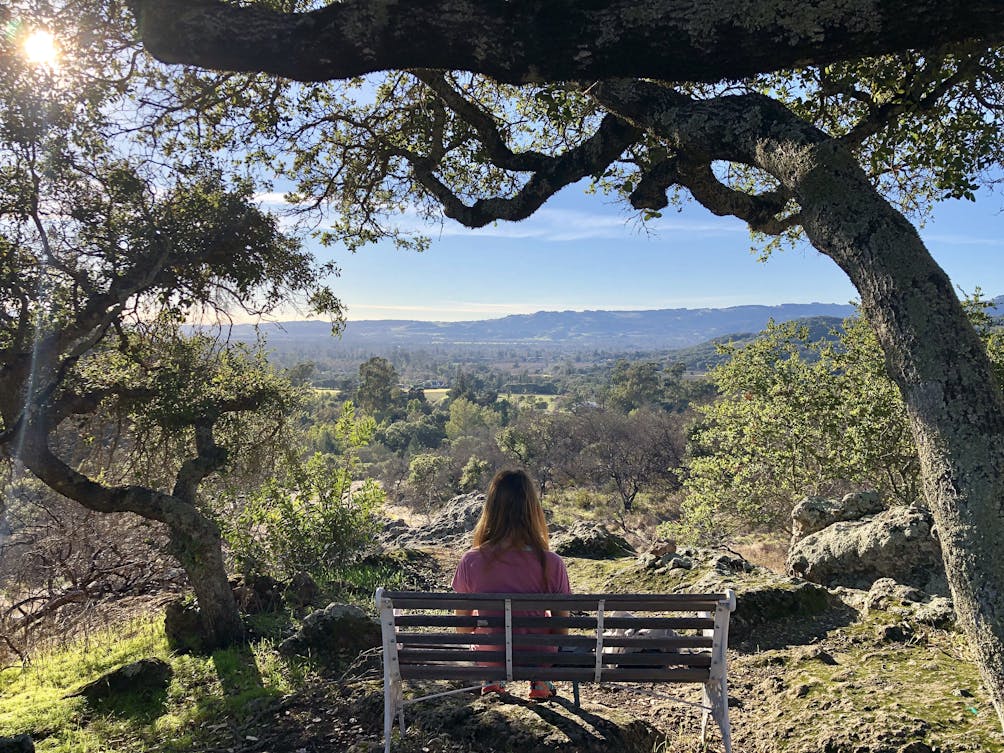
pixel 230 684
pixel 532 401
pixel 436 395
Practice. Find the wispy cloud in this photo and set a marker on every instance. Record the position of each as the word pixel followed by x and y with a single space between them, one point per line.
pixel 957 239
pixel 562 225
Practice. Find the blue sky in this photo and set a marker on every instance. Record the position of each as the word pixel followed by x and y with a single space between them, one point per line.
pixel 583 252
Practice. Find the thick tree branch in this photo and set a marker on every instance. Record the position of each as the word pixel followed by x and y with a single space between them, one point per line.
pixel 592 156
pixel 522 41
pixel 209 457
pixel 759 211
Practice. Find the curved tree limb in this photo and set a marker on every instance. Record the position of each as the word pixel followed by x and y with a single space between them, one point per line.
pixel 487 129
pixel 521 41
pixel 592 156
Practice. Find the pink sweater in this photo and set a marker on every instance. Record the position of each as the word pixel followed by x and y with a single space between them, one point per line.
pixel 510 571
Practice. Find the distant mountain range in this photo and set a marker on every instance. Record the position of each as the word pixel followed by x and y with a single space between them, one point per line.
pixel 627 330
pixel 656 329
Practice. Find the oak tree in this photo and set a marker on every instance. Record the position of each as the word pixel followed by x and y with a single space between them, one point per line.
pixel 101 229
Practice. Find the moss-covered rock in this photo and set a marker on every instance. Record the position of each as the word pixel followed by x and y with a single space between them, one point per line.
pixel 590 540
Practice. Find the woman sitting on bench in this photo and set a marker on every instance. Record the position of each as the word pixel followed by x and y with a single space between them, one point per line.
pixel 511 555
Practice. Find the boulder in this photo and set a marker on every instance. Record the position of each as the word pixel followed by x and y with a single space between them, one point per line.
pixel 909 603
pixel 814 514
pixel 143 677
pixel 451 526
pixel 183 626
pixel 17 744
pixel 897 543
pixel 762 596
pixel 334 634
pixel 591 540
pixel 302 591
pixel 392 530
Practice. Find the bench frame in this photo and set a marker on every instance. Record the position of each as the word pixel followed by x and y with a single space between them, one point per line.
pixel 409 655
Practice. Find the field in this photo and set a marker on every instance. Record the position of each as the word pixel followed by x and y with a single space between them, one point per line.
pixel 532 400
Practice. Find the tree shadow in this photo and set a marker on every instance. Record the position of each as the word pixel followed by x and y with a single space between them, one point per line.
pixel 142 707
pixel 237 670
pixel 797 630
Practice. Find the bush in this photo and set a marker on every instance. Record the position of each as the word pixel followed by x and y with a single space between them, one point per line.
pixel 312 518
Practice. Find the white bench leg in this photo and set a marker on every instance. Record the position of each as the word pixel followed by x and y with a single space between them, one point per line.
pixel 708 704
pixel 716 698
pixel 388 715
pixel 393 705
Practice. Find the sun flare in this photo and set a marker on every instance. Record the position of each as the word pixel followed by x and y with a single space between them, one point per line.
pixel 40 48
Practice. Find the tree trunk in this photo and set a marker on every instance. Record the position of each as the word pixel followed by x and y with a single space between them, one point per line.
pixel 954 403
pixel 197 548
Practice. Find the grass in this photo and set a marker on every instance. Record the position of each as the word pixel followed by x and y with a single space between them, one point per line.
pixel 437 395
pixel 532 400
pixel 766 550
pixel 34 699
pixel 926 687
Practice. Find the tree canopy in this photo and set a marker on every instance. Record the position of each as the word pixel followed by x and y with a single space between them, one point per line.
pixel 804 120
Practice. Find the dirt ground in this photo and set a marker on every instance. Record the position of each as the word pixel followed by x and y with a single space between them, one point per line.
pixel 838 682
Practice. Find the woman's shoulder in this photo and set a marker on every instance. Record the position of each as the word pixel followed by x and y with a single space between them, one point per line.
pixel 474 553
pixel 554 557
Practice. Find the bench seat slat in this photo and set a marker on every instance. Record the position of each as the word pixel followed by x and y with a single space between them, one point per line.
pixel 553 639
pixel 578 603
pixel 443 620
pixel 428 597
pixel 634 674
pixel 529 658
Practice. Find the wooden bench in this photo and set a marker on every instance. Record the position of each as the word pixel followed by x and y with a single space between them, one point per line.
pixel 419 643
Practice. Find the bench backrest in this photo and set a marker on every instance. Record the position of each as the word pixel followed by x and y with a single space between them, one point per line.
pixel 682 637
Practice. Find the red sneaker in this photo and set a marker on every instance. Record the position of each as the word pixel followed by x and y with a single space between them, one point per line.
pixel 493 687
pixel 541 690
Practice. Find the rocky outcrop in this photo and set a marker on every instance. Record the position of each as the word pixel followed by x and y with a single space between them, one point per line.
pixel 139 678
pixel 183 626
pixel 451 526
pixel 897 544
pixel 333 635
pixel 762 596
pixel 909 603
pixel 590 540
pixel 814 514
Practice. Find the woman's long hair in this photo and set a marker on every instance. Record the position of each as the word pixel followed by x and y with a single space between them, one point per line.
pixel 512 516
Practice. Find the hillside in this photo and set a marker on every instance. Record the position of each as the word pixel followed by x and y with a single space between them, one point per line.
pixel 564 330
